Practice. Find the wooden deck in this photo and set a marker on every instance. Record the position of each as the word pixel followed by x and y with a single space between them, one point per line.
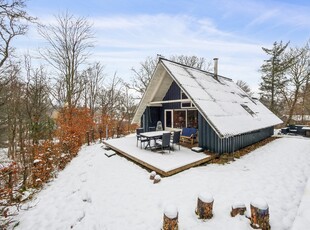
pixel 165 164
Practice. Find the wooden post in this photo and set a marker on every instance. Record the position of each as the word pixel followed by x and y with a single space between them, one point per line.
pixel 259 214
pixel 204 206
pixel 237 208
pixel 10 185
pixel 92 135
pixel 87 137
pixel 106 132
pixel 25 176
pixel 152 175
pixel 170 218
pixel 100 135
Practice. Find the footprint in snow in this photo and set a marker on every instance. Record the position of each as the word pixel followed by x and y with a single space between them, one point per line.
pixel 83 177
pixel 86 197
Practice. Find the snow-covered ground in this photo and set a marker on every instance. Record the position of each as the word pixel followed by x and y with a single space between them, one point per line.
pixel 97 192
pixel 302 220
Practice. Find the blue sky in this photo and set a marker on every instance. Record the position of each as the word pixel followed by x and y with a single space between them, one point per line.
pixel 129 31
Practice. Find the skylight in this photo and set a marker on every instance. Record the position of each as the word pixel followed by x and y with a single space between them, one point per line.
pixel 248 109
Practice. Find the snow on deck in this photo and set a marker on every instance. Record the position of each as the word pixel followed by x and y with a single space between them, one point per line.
pixel 164 163
pixel 97 192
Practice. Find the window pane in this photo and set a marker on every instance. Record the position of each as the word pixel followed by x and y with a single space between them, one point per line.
pixel 183 96
pixel 168 119
pixel 186 105
pixel 192 118
pixel 179 119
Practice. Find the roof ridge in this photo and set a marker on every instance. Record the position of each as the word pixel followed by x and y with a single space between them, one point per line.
pixel 194 68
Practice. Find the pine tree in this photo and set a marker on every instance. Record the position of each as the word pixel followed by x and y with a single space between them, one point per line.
pixel 273 75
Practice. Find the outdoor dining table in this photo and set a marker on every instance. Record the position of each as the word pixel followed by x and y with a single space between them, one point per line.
pixel 152 136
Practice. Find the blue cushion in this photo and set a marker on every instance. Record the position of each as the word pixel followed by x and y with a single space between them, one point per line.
pixel 188 131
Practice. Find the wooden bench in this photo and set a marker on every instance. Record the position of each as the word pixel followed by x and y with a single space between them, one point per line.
pixel 189 134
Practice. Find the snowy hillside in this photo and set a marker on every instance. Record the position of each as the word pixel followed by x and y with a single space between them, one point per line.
pixel 97 192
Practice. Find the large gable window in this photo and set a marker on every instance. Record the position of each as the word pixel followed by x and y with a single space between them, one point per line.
pixel 181 118
pixel 192 118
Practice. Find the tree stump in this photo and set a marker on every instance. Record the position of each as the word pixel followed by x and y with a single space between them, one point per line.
pixel 170 218
pixel 152 175
pixel 259 214
pixel 237 208
pixel 157 179
pixel 204 206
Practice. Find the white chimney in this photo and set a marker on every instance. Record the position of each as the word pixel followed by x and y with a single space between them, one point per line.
pixel 215 68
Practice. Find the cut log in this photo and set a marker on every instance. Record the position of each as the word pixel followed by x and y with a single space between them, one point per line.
pixel 157 179
pixel 204 206
pixel 170 218
pixel 259 214
pixel 237 208
pixel 152 175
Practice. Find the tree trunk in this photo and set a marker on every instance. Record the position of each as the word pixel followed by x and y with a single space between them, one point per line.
pixel 291 111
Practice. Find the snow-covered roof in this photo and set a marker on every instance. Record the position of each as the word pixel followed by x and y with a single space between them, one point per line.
pixel 226 107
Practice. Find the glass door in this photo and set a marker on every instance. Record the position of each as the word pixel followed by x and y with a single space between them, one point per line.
pixel 168 119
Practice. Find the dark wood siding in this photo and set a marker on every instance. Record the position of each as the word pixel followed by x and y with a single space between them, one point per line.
pixel 209 139
pixel 154 114
pixel 174 93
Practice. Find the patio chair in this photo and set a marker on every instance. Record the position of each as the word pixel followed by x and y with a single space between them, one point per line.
pixel 176 139
pixel 164 143
pixel 151 129
pixel 138 132
pixel 139 138
pixel 189 134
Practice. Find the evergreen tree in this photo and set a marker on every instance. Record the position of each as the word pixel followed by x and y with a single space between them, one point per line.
pixel 273 75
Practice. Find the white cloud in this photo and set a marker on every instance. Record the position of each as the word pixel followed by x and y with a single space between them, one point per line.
pixel 122 42
pixel 274 13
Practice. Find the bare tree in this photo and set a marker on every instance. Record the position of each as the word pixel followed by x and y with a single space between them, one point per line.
pixel 13 19
pixel 14 108
pixel 37 102
pixel 13 23
pixel 244 86
pixel 110 96
pixel 143 75
pixel 299 75
pixel 111 104
pixel 7 74
pixel 193 61
pixel 93 78
pixel 129 106
pixel 69 43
